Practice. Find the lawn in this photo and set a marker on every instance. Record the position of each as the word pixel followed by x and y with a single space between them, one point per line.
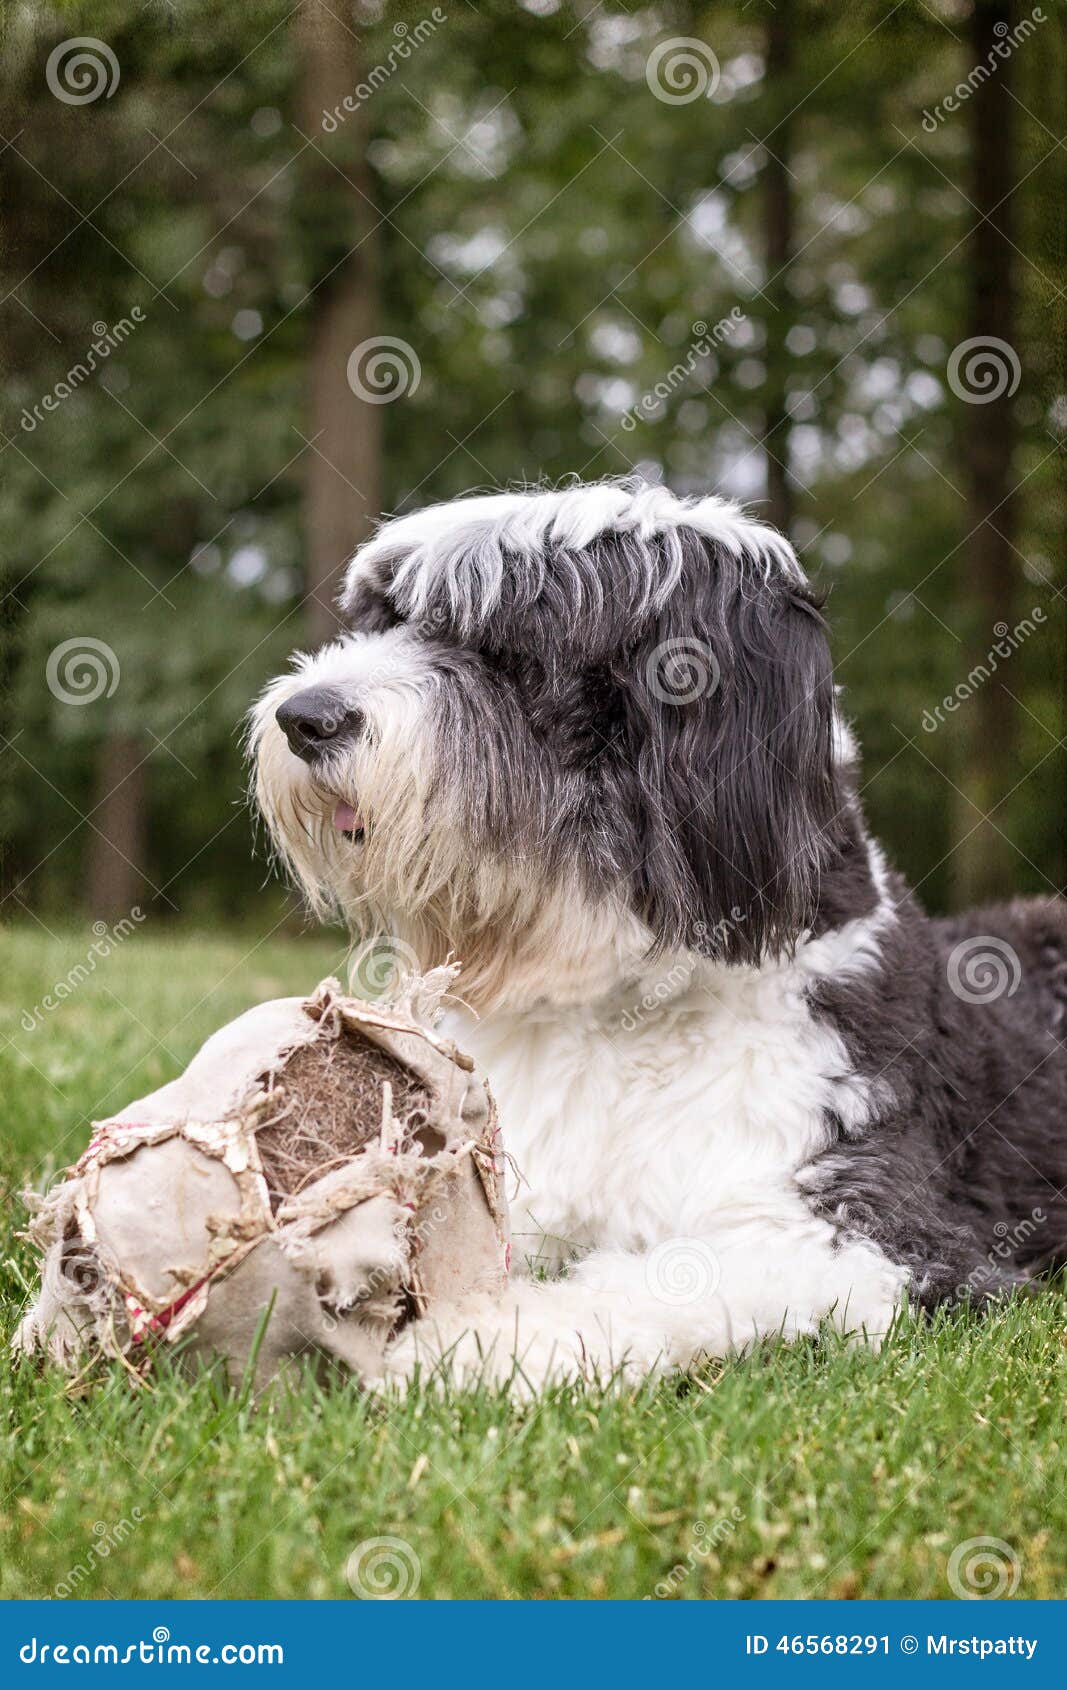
pixel 816 1471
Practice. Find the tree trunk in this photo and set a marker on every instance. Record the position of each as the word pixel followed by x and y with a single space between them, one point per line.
pixel 1045 93
pixel 17 578
pixel 778 225
pixel 1056 238
pixel 117 846
pixel 984 862
pixel 342 488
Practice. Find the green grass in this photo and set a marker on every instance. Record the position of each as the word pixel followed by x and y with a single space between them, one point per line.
pixel 812 1471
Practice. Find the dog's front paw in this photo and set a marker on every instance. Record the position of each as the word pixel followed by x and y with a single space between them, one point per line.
pixel 442 1354
pixel 489 1346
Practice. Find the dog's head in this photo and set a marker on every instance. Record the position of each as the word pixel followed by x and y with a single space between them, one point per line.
pixel 565 730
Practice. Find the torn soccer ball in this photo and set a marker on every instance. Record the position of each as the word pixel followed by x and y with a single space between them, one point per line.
pixel 324 1171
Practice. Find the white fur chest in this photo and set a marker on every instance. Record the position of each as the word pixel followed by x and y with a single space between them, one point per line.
pixel 674 1110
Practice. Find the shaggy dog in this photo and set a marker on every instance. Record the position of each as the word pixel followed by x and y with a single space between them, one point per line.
pixel 588 742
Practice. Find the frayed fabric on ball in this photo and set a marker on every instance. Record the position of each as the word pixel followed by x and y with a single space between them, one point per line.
pixel 325 1171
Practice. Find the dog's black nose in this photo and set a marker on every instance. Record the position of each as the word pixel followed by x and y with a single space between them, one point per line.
pixel 317 720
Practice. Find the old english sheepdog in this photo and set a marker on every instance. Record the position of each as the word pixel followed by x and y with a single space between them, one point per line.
pixel 588 742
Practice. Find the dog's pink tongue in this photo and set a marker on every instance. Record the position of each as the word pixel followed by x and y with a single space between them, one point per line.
pixel 345 819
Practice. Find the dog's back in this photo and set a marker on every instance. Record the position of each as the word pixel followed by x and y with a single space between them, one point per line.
pixel 1028 959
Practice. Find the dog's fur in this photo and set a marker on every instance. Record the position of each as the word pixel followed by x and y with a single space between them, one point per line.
pixel 593 741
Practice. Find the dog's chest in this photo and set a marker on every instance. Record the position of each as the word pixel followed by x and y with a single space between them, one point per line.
pixel 634 1124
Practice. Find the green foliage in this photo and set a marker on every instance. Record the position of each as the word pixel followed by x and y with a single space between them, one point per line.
pixel 551 234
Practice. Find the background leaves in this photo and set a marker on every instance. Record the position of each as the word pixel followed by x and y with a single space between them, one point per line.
pixel 515 204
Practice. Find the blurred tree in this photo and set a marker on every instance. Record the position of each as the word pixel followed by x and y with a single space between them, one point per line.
pixel 984 859
pixel 781 29
pixel 543 224
pixel 145 502
pixel 117 843
pixel 339 223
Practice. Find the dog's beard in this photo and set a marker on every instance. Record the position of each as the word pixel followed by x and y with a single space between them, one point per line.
pixel 362 831
pixel 415 886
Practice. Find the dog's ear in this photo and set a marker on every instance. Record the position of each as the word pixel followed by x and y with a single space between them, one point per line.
pixel 729 704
